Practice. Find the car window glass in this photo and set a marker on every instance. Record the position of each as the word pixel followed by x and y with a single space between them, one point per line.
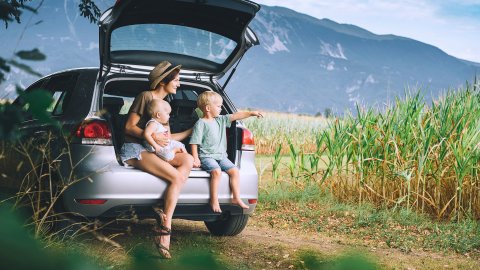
pixel 57 105
pixel 125 103
pixel 61 88
pixel 186 95
pixel 173 39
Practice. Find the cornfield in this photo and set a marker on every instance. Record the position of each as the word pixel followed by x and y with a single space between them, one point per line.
pixel 278 128
pixel 424 158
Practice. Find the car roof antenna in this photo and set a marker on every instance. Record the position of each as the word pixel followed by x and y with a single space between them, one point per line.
pixel 231 74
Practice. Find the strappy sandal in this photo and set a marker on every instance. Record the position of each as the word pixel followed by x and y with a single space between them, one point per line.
pixel 159 215
pixel 159 231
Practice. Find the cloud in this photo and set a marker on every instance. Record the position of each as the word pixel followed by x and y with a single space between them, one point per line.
pixel 67 38
pixel 42 37
pixel 92 46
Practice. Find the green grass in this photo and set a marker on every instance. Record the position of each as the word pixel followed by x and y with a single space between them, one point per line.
pixel 312 209
pixel 286 192
pixel 308 259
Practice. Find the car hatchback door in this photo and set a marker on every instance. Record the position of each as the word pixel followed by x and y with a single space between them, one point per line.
pixel 206 36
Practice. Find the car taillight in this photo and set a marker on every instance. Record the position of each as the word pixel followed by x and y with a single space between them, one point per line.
pixel 252 201
pixel 247 140
pixel 91 201
pixel 94 132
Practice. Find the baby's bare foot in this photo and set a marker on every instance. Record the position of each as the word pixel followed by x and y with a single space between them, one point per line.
pixel 240 203
pixel 215 206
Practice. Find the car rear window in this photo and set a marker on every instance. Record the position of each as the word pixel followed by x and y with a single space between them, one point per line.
pixel 173 39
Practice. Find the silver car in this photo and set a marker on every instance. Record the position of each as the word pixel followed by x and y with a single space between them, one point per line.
pixel 207 38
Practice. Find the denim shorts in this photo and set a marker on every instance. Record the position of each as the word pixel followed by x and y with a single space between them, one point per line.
pixel 131 150
pixel 210 164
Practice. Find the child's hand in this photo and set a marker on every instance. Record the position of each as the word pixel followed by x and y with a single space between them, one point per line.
pixel 158 148
pixel 196 162
pixel 257 113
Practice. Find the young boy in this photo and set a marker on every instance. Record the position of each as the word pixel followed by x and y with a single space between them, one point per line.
pixel 209 145
pixel 159 110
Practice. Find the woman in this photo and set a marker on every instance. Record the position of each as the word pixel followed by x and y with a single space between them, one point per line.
pixel 164 79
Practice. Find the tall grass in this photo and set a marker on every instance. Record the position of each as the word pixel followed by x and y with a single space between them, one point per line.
pixel 276 128
pixel 423 158
pixel 33 184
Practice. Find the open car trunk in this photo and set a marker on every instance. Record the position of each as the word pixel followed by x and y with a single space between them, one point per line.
pixel 205 36
pixel 119 95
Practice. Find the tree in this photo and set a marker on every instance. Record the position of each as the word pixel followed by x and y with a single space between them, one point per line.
pixel 10 115
pixel 12 10
pixel 328 112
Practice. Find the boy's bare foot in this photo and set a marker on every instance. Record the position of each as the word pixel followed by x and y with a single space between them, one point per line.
pixel 240 203
pixel 215 205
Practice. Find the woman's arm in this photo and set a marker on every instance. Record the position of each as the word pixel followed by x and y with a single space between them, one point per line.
pixel 131 126
pixel 180 136
pixel 133 130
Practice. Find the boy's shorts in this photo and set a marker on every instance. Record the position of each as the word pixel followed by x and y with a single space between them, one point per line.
pixel 209 164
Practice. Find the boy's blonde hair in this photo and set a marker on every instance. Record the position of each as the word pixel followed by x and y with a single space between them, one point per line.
pixel 207 98
pixel 157 105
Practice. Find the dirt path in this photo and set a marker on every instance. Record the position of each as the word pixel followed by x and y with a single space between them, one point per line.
pixel 261 247
pixel 390 258
pixel 276 249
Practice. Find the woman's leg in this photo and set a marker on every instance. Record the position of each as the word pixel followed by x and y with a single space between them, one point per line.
pixel 184 163
pixel 235 187
pixel 154 165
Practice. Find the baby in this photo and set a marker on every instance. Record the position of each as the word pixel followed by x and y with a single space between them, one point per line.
pixel 159 110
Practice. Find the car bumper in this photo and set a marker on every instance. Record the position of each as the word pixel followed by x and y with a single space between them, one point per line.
pixel 127 188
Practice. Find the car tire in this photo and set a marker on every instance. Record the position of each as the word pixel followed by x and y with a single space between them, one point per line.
pixel 228 225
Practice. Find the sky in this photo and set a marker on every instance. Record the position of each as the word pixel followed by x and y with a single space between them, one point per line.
pixel 451 25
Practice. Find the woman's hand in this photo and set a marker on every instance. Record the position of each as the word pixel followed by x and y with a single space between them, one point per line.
pixel 178 150
pixel 161 138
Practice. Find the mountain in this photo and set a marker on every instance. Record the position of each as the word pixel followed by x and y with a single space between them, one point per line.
pixel 302 65
pixel 307 65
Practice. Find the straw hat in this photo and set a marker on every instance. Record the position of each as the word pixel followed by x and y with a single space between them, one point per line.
pixel 160 72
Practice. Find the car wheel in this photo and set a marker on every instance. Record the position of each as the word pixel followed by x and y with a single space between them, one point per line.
pixel 228 225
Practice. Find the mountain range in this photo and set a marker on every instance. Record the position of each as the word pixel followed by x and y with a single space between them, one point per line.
pixel 303 64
